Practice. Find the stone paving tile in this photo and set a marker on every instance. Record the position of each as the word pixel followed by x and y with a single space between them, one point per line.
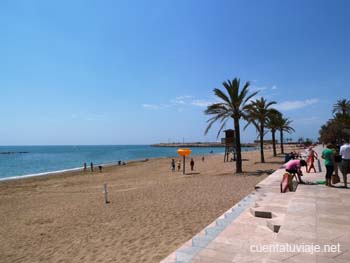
pixel 307 219
pixel 251 257
pixel 321 259
pixel 299 227
pixel 331 231
pixel 201 259
pixel 344 256
pixel 242 245
pixel 228 255
pixel 302 257
pixel 282 257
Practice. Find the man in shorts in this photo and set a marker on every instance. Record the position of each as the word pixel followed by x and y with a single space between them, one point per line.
pixel 345 162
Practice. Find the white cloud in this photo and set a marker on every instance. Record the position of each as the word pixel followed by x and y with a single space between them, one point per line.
pixel 178 101
pixel 183 97
pixel 150 106
pixel 201 103
pixel 273 87
pixel 297 104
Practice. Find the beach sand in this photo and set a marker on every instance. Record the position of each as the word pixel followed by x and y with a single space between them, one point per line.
pixel 152 210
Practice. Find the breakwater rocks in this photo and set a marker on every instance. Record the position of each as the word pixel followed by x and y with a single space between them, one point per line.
pixel 198 144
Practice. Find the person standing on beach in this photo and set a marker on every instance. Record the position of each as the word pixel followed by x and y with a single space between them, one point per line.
pixel 84 166
pixel 328 156
pixel 92 167
pixel 345 162
pixel 178 165
pixel 192 164
pixel 173 165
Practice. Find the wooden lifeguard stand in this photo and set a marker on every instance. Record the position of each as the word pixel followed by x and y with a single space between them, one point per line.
pixel 229 142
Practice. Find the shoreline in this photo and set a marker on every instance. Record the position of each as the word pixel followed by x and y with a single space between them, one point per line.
pixel 112 164
pixel 81 168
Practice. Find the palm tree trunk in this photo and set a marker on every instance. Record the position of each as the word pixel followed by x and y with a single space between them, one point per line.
pixel 262 144
pixel 238 146
pixel 274 142
pixel 281 138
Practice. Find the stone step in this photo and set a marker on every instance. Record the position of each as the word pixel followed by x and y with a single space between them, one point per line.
pixel 223 222
pixel 214 231
pixel 186 254
pixel 260 212
pixel 201 241
pixel 274 226
pixel 183 257
pixel 233 214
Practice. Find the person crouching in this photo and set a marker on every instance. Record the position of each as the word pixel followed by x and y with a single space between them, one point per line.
pixel 294 167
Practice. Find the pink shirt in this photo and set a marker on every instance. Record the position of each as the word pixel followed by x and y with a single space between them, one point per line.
pixel 293 165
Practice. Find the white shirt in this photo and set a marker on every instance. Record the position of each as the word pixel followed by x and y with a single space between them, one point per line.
pixel 345 151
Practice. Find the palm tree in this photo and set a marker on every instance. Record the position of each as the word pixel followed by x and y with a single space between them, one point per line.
pixel 342 106
pixel 233 105
pixel 258 113
pixel 284 126
pixel 272 124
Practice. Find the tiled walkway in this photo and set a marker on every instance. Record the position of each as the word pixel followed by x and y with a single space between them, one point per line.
pixel 268 226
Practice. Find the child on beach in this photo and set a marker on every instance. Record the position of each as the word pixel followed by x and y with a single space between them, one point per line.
pixel 178 165
pixel 311 159
pixel 173 165
pixel 192 164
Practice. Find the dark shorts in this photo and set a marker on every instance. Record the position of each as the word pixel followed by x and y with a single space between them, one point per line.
pixel 329 171
pixel 292 171
pixel 345 166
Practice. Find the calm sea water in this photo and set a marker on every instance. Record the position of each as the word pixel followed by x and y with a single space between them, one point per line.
pixel 46 159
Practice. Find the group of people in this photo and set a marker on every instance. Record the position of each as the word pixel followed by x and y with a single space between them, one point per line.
pixel 291 156
pixel 92 167
pixel 333 159
pixel 178 164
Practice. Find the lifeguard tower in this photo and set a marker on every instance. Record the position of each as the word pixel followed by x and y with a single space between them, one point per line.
pixel 229 142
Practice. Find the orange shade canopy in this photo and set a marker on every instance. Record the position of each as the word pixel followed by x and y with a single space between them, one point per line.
pixel 184 151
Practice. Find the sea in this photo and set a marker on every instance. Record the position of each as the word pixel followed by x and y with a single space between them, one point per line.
pixel 26 161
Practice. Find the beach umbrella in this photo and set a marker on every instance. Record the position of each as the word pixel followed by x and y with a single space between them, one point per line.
pixel 184 152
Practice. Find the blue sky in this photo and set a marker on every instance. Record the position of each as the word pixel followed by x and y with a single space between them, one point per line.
pixel 139 72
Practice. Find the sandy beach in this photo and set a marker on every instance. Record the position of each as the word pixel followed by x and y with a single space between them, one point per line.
pixel 152 210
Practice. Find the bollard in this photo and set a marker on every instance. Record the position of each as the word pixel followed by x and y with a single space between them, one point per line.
pixel 105 191
pixel 319 166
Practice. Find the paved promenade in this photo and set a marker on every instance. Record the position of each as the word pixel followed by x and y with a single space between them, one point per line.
pixel 309 225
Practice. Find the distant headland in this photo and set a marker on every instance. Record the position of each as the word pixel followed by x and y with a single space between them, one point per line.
pixel 12 152
pixel 198 144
